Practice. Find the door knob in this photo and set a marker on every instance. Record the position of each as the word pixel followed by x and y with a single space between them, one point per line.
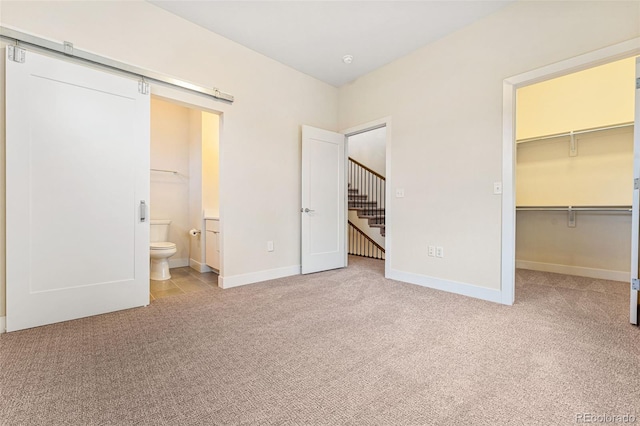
pixel 306 210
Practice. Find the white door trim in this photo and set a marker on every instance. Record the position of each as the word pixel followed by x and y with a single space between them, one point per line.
pixel 195 101
pixel 372 125
pixel 578 63
pixel 635 231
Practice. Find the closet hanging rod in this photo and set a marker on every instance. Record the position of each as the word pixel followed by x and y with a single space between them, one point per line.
pixel 67 49
pixel 164 171
pixel 577 132
pixel 621 209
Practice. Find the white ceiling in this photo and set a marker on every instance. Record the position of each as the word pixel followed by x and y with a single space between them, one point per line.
pixel 313 36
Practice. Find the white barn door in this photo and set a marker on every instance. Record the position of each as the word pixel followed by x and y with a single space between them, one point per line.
pixel 77 175
pixel 323 200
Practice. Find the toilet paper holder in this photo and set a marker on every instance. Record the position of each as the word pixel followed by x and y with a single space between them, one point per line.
pixel 193 232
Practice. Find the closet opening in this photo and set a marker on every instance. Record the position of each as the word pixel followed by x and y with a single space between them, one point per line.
pixel 574 188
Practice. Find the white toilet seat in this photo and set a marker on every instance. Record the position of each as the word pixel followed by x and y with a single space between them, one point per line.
pixel 161 245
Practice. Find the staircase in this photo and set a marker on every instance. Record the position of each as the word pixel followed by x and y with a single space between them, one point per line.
pixel 366 194
pixel 366 209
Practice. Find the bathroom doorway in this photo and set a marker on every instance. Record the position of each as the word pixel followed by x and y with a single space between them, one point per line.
pixel 184 189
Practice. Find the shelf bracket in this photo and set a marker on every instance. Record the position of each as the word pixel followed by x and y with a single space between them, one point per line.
pixel 571 218
pixel 573 145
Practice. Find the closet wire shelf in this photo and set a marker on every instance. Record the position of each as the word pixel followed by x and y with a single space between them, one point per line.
pixel 602 209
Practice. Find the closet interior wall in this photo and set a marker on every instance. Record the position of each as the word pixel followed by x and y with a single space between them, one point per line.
pixel 598 171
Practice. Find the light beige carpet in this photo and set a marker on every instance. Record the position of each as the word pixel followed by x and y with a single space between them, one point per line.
pixel 344 347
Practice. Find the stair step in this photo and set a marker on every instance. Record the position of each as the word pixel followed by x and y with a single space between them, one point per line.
pixel 378 220
pixel 360 203
pixel 376 225
pixel 353 190
pixel 357 197
pixel 367 210
pixel 369 213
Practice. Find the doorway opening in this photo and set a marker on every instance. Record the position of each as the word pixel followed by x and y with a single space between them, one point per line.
pixel 580 63
pixel 574 184
pixel 184 195
pixel 366 186
pixel 367 194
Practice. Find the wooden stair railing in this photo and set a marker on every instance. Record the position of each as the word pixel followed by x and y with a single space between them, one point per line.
pixel 366 194
pixel 360 244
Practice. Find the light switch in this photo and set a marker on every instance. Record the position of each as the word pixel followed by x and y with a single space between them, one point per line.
pixel 497 188
pixel 399 192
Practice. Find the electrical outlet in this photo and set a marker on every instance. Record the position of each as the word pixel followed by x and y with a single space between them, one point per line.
pixel 439 252
pixel 432 251
pixel 269 245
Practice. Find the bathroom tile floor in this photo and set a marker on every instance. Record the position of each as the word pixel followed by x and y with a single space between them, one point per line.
pixel 183 280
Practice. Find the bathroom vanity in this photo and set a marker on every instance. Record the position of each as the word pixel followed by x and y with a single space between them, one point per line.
pixel 212 242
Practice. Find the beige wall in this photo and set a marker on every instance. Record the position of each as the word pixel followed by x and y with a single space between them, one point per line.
pixel 601 173
pixel 211 163
pixel 260 143
pixel 598 247
pixel 170 192
pixel 204 191
pixel 369 148
pixel 599 96
pixel 445 101
pixel 195 187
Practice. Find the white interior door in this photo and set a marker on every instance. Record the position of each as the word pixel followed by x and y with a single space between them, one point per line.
pixel 635 226
pixel 77 150
pixel 323 200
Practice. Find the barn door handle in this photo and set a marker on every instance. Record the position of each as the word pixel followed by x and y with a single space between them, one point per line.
pixel 143 211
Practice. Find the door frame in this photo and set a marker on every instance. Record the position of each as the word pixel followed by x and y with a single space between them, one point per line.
pixel 362 128
pixel 199 102
pixel 510 85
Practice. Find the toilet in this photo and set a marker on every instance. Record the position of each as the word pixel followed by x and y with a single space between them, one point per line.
pixel 160 250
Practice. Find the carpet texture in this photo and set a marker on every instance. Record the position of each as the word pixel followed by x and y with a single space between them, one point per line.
pixel 344 347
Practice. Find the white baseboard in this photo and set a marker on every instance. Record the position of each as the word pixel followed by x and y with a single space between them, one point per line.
pixel 178 263
pixel 200 267
pixel 256 277
pixel 464 289
pixel 603 274
pixel 3 325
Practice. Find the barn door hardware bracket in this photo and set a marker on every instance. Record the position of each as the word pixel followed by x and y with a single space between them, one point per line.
pixel 635 284
pixel 636 183
pixel 143 87
pixel 638 83
pixel 68 48
pixel 17 54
